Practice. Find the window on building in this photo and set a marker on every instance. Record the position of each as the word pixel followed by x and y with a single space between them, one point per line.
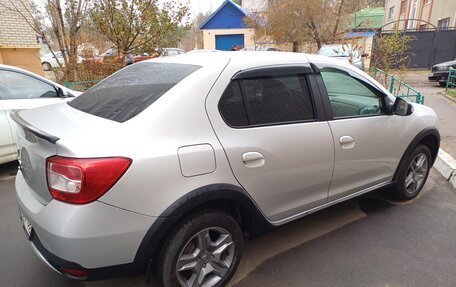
pixel 403 6
pixel 413 15
pixel 427 2
pixel 423 27
pixel 443 24
pixel 391 13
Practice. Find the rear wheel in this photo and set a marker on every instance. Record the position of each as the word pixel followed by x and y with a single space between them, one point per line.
pixel 47 66
pixel 414 173
pixel 442 84
pixel 203 251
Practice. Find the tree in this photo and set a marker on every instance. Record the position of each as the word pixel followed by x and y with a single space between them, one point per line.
pixel 66 19
pixel 299 21
pixel 391 50
pixel 140 24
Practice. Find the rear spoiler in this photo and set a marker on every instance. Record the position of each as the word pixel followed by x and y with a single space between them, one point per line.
pixel 34 130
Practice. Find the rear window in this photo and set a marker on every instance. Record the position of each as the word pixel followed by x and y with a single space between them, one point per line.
pixel 127 93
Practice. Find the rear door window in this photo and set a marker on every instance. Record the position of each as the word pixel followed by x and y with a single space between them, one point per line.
pixel 128 92
pixel 267 100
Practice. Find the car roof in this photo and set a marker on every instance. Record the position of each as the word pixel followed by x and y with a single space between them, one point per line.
pixel 255 58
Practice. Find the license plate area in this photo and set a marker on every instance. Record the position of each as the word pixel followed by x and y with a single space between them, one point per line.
pixel 27 226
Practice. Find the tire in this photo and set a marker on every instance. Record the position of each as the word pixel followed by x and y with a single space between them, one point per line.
pixel 442 84
pixel 185 243
pixel 47 66
pixel 412 178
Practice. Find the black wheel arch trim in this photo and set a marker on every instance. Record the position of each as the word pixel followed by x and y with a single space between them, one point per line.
pixel 430 131
pixel 172 216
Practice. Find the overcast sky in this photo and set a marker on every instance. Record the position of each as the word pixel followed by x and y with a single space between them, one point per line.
pixel 203 6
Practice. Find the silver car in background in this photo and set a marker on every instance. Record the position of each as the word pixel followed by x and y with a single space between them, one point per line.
pixel 172 163
pixel 344 52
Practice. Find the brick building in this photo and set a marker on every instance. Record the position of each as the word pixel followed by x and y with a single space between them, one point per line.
pixel 18 44
pixel 440 13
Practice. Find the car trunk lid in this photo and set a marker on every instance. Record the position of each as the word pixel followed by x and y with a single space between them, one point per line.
pixel 40 132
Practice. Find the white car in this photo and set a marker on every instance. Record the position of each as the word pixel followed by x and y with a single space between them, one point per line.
pixel 344 52
pixel 48 61
pixel 20 89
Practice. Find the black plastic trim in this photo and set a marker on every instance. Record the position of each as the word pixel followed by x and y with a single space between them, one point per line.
pixel 168 220
pixel 275 70
pixel 317 99
pixel 93 274
pixel 34 130
pixel 419 137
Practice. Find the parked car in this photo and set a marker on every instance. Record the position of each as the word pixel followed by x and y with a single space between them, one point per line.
pixel 260 48
pixel 48 61
pixel 144 56
pixel 345 52
pixel 20 89
pixel 202 51
pixel 171 164
pixel 166 52
pixel 439 73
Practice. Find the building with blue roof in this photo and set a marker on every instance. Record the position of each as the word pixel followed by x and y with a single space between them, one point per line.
pixel 225 28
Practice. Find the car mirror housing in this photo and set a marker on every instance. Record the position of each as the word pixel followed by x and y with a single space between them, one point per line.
pixel 402 107
pixel 61 93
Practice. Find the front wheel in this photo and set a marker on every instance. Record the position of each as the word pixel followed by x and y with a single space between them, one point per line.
pixel 47 66
pixel 414 173
pixel 205 250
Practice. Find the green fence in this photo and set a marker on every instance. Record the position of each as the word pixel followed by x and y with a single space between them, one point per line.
pixel 397 87
pixel 451 82
pixel 81 86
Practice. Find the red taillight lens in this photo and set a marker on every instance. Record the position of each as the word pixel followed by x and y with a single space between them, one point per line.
pixel 80 274
pixel 83 180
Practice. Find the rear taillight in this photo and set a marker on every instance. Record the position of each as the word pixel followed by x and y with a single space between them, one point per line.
pixel 83 180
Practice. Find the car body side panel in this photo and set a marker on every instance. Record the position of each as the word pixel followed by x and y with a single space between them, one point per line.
pixel 373 159
pixel 7 147
pixel 298 158
pixel 178 119
pixel 93 235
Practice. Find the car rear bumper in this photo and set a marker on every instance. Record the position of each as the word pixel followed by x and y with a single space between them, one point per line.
pixel 98 238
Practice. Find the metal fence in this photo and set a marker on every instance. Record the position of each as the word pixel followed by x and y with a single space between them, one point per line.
pixel 81 86
pixel 397 87
pixel 451 82
pixel 428 48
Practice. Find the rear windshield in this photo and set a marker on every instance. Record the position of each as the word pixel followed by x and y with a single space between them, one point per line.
pixel 127 93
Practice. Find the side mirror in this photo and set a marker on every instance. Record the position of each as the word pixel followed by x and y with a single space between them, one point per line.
pixel 402 107
pixel 61 93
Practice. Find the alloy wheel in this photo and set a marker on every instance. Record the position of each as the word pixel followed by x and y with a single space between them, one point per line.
pixel 416 174
pixel 206 258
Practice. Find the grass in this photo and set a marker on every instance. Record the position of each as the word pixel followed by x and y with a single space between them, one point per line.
pixel 451 93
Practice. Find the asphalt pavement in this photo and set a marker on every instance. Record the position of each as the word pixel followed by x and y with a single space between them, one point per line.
pixel 368 241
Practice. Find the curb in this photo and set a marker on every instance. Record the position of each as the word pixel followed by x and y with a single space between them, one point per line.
pixel 445 164
pixel 446 96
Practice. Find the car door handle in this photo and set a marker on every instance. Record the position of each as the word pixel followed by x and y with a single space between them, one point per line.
pixel 253 159
pixel 347 142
